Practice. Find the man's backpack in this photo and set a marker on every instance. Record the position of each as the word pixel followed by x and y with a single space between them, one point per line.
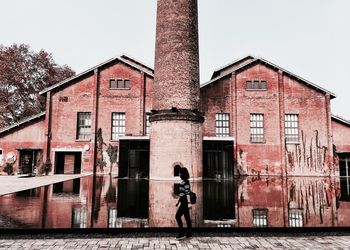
pixel 193 197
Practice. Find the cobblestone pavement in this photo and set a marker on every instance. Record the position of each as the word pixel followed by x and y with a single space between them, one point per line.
pixel 307 242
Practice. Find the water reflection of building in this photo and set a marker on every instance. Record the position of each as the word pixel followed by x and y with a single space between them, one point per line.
pixel 260 202
pixel 106 202
pixel 343 202
pixel 162 204
pixel 311 202
pixel 219 203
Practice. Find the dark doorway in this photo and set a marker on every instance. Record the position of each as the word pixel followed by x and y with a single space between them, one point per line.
pixel 344 164
pixel 134 159
pixel 218 200
pixel 68 163
pixel 218 159
pixel 28 160
pixel 345 189
pixel 67 187
pixel 133 198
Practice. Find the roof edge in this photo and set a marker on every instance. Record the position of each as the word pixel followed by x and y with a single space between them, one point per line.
pixel 332 95
pixel 17 124
pixel 122 58
pixel 233 62
pixel 340 119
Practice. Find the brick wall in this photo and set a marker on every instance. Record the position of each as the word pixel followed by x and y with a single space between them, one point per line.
pixel 341 136
pixel 29 135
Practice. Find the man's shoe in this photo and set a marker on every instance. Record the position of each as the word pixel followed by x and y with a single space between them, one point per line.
pixel 180 237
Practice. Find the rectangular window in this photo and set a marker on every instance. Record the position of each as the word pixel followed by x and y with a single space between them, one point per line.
pixel 84 125
pixel 222 124
pixel 257 128
pixel 291 125
pixel 295 218
pixel 112 218
pixel 256 85
pixel 260 217
pixel 79 217
pixel 148 124
pixel 119 84
pixel 118 125
pixel 126 84
pixel 112 84
pixel 248 84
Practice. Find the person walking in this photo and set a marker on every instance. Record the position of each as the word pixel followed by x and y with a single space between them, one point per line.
pixel 183 209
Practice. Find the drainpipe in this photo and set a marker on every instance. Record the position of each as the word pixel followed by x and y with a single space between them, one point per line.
pixel 48 133
pixel 142 127
pixel 95 98
pixel 284 170
pixel 332 170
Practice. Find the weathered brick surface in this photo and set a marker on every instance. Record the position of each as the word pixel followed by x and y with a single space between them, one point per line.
pixel 341 136
pixel 176 84
pixel 284 95
pixel 176 57
pixel 27 136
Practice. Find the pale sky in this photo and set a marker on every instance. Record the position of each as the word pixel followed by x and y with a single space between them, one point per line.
pixel 310 38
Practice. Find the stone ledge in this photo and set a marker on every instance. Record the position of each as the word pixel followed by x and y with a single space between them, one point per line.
pixel 177 114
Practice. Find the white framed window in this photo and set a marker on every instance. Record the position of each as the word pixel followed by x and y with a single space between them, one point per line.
pixel 83 125
pixel 295 218
pixel 79 218
pixel 260 217
pixel 148 124
pixel 257 128
pixel 118 125
pixel 112 218
pixel 222 124
pixel 291 125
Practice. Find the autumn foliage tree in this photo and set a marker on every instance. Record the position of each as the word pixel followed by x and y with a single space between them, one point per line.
pixel 23 74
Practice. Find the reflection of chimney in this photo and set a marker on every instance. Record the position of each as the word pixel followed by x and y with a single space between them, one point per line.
pixel 176 123
pixel 162 200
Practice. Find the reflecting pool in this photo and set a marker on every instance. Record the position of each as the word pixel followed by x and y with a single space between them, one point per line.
pixel 107 202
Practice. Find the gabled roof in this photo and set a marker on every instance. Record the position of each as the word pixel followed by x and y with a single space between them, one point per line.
pixel 235 63
pixel 123 58
pixel 17 124
pixel 341 120
pixel 262 60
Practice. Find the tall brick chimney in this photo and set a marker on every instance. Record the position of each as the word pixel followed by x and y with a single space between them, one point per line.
pixel 176 123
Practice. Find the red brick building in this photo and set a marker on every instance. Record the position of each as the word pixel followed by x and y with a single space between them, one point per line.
pixel 259 119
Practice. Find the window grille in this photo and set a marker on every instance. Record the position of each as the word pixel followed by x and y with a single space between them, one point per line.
pixel 84 125
pixel 79 217
pixel 148 124
pixel 260 217
pixel 291 124
pixel 118 125
pixel 222 124
pixel 257 128
pixel 112 218
pixel 296 218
